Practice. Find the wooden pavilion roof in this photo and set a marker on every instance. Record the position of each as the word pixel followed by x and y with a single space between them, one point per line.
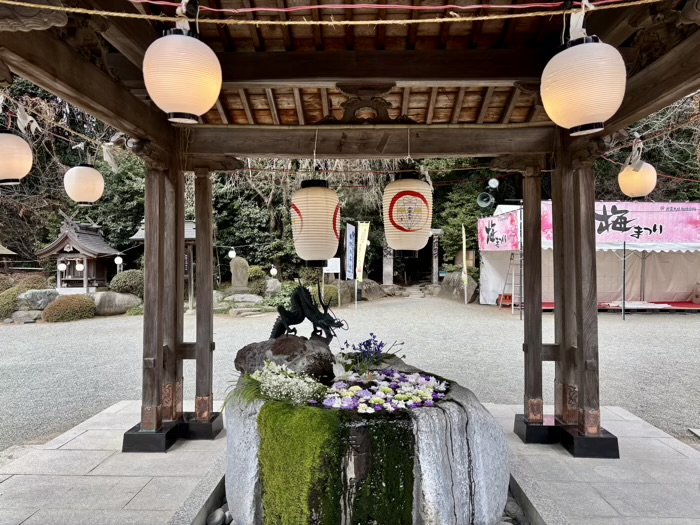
pixel 468 88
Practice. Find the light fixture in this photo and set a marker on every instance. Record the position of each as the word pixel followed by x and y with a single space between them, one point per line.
pixel 493 183
pixel 16 155
pixel 118 260
pixel 232 253
pixel 84 184
pixel 79 267
pixel 583 85
pixel 315 222
pixel 182 75
pixel 273 271
pixel 62 267
pixel 408 214
pixel 637 178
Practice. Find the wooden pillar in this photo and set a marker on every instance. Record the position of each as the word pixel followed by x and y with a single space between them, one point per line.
pixel 179 285
pixel 85 274
pixel 190 277
pixel 173 253
pixel 151 408
pixel 565 381
pixel 205 295
pixel 532 255
pixel 586 299
pixel 387 265
pixel 436 258
pixel 58 273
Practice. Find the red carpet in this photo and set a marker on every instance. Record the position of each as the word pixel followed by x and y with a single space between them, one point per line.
pixel 674 306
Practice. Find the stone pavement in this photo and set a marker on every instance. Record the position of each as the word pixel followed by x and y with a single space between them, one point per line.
pixel 656 481
pixel 82 477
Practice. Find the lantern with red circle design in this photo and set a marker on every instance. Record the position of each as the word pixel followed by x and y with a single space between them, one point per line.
pixel 408 214
pixel 315 222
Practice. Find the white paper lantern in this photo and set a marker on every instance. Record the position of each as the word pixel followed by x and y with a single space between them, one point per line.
pixel 84 184
pixel 15 159
pixel 232 253
pixel 315 222
pixel 408 215
pixel 273 271
pixel 583 85
pixel 182 75
pixel 118 260
pixel 637 182
pixel 62 267
pixel 79 267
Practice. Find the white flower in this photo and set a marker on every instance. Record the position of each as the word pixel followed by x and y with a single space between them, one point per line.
pixel 362 408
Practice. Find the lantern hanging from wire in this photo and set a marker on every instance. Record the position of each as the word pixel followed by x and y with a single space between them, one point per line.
pixel 79 266
pixel 583 85
pixel 62 267
pixel 16 155
pixel 84 184
pixel 408 214
pixel 637 178
pixel 182 74
pixel 315 218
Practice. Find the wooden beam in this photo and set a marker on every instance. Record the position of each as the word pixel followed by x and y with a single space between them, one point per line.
pixel 535 112
pixel 413 28
pixel 286 34
pixel 381 29
pixel 51 64
pixel 349 31
pixel 564 234
pixel 205 298
pixel 246 105
pixel 222 29
pixel 253 30
pixel 488 94
pixel 377 142
pixel 318 37
pixel 485 67
pixel 508 111
pixel 586 299
pixel 431 106
pixel 405 99
pixel 130 36
pixel 222 111
pixel 618 25
pixel 325 104
pixel 151 408
pixel 300 106
pixel 532 274
pixel 273 106
pixel 664 81
pixel 458 106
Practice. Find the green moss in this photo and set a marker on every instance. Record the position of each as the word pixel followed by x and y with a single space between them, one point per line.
pixel 8 300
pixel 300 455
pixel 385 494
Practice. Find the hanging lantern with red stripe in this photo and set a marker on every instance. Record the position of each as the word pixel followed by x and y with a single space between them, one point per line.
pixel 315 214
pixel 408 214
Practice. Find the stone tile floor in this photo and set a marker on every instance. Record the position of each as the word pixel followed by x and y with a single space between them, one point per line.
pixel 656 481
pixel 82 477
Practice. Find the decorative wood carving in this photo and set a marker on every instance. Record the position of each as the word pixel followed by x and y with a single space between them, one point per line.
pixel 520 163
pixel 366 97
pixel 13 18
pixel 690 13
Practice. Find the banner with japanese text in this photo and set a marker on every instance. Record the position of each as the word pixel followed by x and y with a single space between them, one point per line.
pixel 499 233
pixel 350 252
pixel 362 235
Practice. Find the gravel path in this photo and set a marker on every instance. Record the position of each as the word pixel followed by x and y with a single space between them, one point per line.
pixel 53 376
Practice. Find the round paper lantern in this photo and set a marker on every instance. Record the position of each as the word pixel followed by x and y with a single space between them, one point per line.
pixel 638 182
pixel 273 271
pixel 118 260
pixel 84 184
pixel 79 267
pixel 62 267
pixel 315 222
pixel 182 75
pixel 408 215
pixel 16 155
pixel 232 253
pixel 583 85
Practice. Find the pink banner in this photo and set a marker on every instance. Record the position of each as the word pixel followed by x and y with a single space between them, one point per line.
pixel 673 223
pixel 499 233
pixel 639 222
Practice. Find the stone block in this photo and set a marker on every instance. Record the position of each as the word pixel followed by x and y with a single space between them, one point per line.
pixel 273 287
pixel 56 462
pixel 26 316
pixel 36 299
pixel 244 298
pixel 103 517
pixel 113 303
pixel 163 493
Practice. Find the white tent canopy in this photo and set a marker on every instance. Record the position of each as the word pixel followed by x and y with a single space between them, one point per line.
pixel 660 241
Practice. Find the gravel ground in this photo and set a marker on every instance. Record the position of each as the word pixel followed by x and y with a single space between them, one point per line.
pixel 53 376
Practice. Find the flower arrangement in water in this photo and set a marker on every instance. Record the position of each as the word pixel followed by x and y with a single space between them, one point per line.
pixel 278 383
pixel 358 359
pixel 389 390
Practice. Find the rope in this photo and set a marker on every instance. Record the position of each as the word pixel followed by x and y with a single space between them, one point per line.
pixel 332 23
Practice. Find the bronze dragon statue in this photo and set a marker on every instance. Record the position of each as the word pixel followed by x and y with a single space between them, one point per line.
pixel 304 307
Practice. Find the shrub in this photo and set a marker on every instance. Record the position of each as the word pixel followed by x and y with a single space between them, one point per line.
pixel 8 301
pixel 258 287
pixel 330 295
pixel 34 282
pixel 135 310
pixel 309 275
pixel 255 273
pixel 283 298
pixel 130 281
pixel 5 282
pixel 69 308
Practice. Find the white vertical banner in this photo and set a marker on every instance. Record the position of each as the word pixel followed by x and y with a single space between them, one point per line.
pixel 465 275
pixel 362 235
pixel 350 234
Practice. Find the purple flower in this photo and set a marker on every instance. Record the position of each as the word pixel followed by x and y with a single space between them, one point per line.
pixel 340 385
pixel 394 385
pixel 328 402
pixel 438 396
pixel 346 401
pixel 377 408
pixel 428 403
pixel 313 402
pixel 364 393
